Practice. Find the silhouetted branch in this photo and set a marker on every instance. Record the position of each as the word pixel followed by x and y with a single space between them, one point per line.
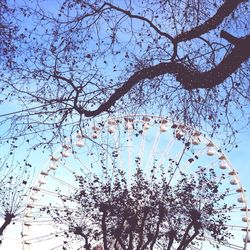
pixel 78 231
pixel 150 238
pixel 171 235
pixel 225 10
pixel 7 220
pixel 184 238
pixel 157 228
pixel 103 209
pixel 189 78
pixel 128 13
pixel 145 213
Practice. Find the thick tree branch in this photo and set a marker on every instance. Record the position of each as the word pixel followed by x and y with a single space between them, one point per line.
pixel 130 242
pixel 7 220
pixel 118 233
pixel 171 235
pixel 145 213
pixel 157 229
pixel 103 209
pixel 190 240
pixel 184 238
pixel 230 38
pixel 120 242
pixel 78 231
pixel 225 10
pixel 149 239
pixel 189 78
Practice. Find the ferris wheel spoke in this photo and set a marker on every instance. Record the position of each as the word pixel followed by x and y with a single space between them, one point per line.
pixel 152 152
pixel 227 245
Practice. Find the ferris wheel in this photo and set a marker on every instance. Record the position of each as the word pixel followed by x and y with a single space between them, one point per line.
pixel 115 144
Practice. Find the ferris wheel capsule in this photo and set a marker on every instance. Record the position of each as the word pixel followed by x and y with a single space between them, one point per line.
pixel 128 123
pixel 223 164
pixel 146 119
pixel 111 126
pixel 65 153
pixel 42 180
pixel 163 128
pixel 145 126
pixel 111 129
pixel 240 190
pixel 80 143
pixel 79 135
pixel 95 132
pixel 246 219
pixel 246 239
pixel 163 125
pixel 129 126
pixel 54 158
pixel 196 140
pixel 222 157
pixel 28 215
pixel 241 199
pixel 33 197
pixel 52 166
pixel 210 149
pixel 233 182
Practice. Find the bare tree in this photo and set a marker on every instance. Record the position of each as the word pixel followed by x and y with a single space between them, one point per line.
pixel 14 186
pixel 79 59
pixel 146 213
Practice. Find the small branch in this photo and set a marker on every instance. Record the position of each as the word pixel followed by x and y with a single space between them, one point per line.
pixel 128 13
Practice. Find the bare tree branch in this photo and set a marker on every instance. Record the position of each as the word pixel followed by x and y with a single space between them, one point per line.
pixel 225 10
pixel 128 13
pixel 189 78
pixel 7 220
pixel 103 209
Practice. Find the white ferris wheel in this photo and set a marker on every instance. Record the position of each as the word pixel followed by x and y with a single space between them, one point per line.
pixel 121 140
